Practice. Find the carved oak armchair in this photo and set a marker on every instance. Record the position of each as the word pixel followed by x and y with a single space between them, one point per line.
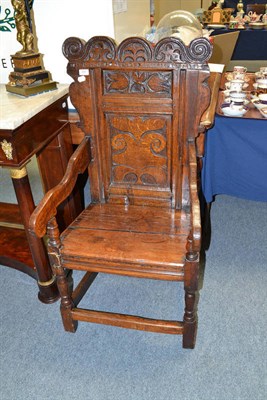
pixel 140 107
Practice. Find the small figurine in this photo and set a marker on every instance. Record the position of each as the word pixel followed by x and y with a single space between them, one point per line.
pixel 214 4
pixel 237 22
pixel 24 34
pixel 240 9
pixel 254 17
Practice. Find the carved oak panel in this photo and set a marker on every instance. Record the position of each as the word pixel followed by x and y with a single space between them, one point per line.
pixel 158 83
pixel 139 147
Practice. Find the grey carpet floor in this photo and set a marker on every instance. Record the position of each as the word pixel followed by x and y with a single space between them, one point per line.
pixel 40 361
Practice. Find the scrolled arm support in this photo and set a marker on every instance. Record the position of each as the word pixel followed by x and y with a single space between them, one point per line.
pixel 194 242
pixel 47 208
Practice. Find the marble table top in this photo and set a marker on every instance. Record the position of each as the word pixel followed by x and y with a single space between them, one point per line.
pixel 15 109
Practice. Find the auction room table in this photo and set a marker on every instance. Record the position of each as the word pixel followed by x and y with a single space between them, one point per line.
pixel 235 161
pixel 37 125
pixel 251 43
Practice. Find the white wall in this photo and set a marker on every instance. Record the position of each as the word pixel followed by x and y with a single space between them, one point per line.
pixel 55 20
pixel 8 42
pixel 163 7
pixel 134 21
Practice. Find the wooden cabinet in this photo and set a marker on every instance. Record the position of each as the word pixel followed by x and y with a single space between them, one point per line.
pixel 34 126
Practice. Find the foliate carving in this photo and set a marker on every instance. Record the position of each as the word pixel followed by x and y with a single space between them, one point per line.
pixel 98 48
pixel 73 48
pixel 139 150
pixel 134 50
pixel 174 50
pixel 169 50
pixel 137 50
pixel 138 82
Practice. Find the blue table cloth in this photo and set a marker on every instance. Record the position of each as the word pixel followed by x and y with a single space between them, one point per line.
pixel 251 44
pixel 235 161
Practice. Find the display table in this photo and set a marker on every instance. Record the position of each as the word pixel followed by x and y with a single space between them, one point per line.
pixel 36 125
pixel 251 43
pixel 235 161
pixel 250 49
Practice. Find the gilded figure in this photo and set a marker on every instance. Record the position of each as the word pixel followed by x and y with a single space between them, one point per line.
pixel 24 34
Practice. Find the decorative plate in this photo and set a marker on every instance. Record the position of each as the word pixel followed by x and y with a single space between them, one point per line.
pixel 257 25
pixel 216 26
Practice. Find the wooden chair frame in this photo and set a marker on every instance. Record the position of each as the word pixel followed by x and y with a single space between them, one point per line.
pixel 140 107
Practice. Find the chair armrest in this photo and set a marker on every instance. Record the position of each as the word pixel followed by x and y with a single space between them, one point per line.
pixel 207 119
pixel 194 198
pixel 47 208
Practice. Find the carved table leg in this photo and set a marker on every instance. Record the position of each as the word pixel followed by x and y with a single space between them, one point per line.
pixel 48 292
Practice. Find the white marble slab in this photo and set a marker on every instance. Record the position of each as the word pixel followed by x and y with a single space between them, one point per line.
pixel 15 110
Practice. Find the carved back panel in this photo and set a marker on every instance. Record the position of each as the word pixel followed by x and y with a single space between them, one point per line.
pixel 140 104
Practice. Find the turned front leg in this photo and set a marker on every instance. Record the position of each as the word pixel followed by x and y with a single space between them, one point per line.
pixel 191 299
pixel 62 282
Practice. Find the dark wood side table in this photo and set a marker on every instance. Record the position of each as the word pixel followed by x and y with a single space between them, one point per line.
pixel 33 126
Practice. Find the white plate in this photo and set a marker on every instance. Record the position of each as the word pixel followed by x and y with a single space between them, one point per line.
pixel 257 25
pixel 226 92
pixel 228 100
pixel 256 102
pixel 216 26
pixel 244 86
pixel 258 75
pixel 230 112
pixel 264 113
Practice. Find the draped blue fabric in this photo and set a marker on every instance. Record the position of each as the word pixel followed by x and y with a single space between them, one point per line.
pixel 235 161
pixel 251 44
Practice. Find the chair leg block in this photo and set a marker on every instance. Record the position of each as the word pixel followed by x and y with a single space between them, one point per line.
pixel 64 287
pixel 189 335
pixel 70 325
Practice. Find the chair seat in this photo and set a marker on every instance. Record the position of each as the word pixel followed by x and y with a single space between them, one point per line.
pixel 138 240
